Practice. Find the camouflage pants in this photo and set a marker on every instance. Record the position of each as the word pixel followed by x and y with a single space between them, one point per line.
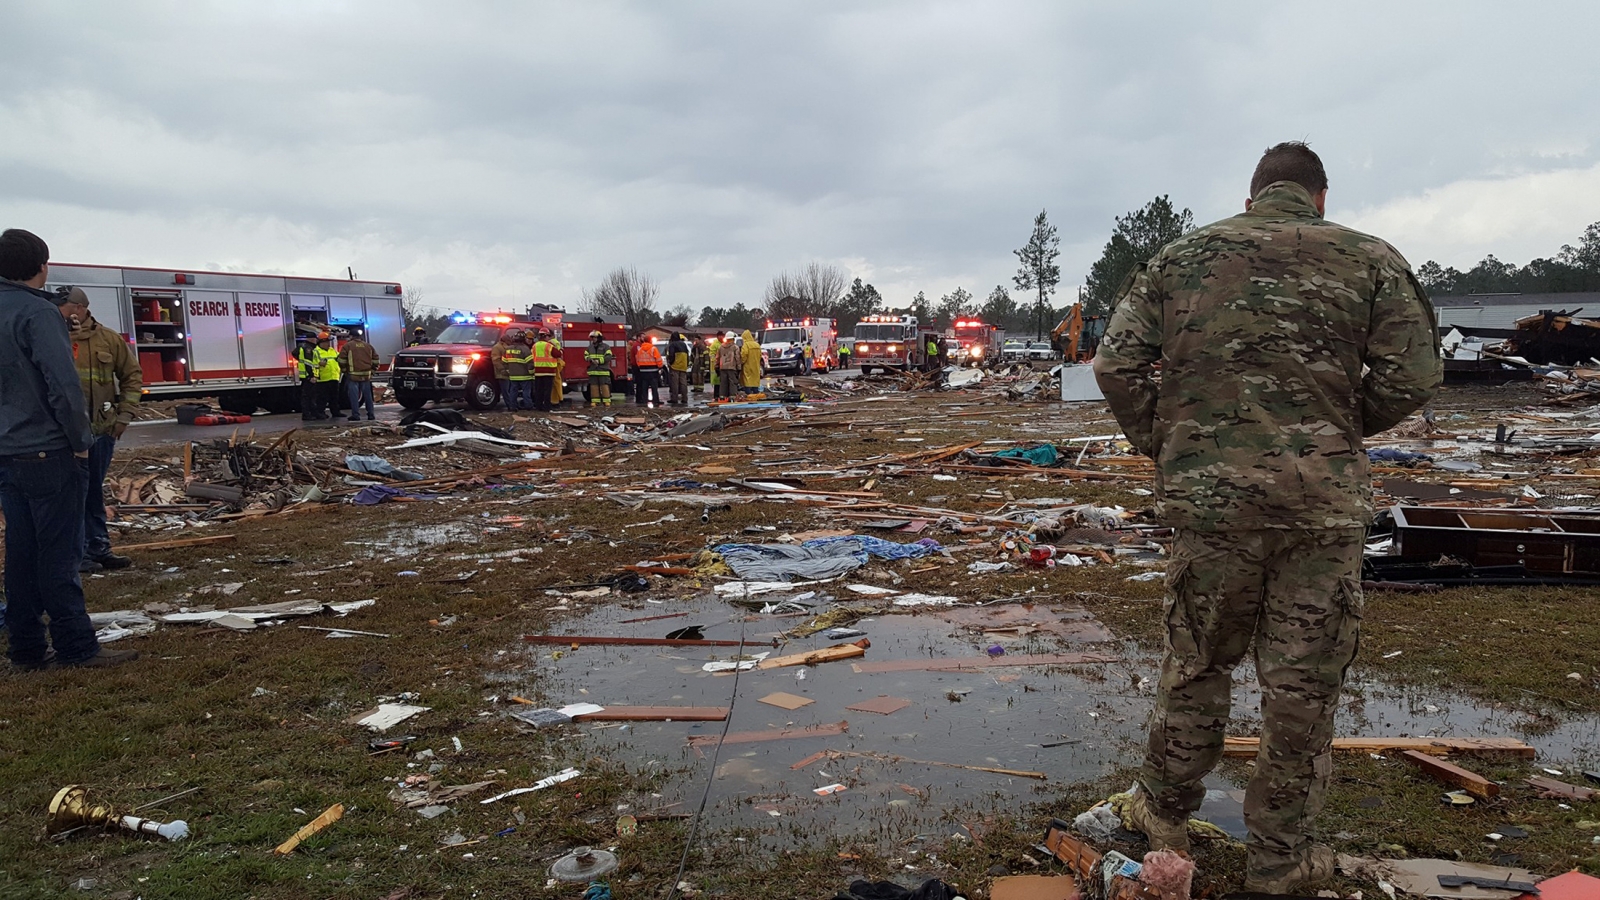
pixel 1298 594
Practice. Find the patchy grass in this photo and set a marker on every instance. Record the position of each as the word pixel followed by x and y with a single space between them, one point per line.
pixel 189 713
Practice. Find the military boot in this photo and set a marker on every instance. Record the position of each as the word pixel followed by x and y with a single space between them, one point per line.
pixel 1313 866
pixel 1163 832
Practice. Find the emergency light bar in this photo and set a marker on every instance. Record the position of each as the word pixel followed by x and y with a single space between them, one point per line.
pixel 463 318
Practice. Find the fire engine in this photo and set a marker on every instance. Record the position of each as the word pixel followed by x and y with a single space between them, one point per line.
pixel 783 344
pixel 457 365
pixel 229 335
pixel 975 343
pixel 890 342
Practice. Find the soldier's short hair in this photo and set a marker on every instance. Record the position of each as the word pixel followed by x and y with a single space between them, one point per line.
pixel 1290 161
pixel 22 254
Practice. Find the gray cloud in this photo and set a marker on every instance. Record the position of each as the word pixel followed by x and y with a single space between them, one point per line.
pixel 496 152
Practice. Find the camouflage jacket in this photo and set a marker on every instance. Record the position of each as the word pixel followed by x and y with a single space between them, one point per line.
pixel 1283 339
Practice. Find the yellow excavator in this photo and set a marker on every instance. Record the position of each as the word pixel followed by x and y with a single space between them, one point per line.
pixel 1067 336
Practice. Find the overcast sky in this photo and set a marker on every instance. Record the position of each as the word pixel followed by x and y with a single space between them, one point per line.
pixel 511 152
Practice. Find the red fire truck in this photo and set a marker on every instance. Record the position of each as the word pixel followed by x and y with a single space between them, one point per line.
pixel 457 366
pixel 890 342
pixel 228 335
pixel 974 343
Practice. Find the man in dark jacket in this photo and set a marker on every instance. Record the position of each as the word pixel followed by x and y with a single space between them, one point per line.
pixel 44 460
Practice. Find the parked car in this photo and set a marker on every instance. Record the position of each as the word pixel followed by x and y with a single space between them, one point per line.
pixel 1013 350
pixel 1041 350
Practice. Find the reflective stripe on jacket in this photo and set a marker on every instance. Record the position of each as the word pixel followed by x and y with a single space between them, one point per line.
pixel 544 358
pixel 647 356
pixel 516 358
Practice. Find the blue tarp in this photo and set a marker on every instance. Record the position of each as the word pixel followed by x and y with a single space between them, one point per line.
pixel 818 559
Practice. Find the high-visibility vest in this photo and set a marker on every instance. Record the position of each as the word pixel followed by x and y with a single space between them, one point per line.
pixel 647 356
pixel 599 360
pixel 318 364
pixel 544 358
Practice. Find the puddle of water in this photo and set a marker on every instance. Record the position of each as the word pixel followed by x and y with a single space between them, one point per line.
pixel 1070 723
pixel 1066 723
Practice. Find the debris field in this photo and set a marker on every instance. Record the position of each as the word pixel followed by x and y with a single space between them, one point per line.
pixel 891 631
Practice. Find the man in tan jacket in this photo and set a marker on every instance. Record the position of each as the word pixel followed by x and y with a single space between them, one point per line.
pixel 111 380
pixel 358 360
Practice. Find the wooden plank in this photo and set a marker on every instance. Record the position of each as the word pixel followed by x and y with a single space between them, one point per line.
pixel 180 542
pixel 820 754
pixel 812 657
pixel 656 714
pixel 1439 770
pixel 1247 746
pixel 1560 790
pixel 779 734
pixel 329 816
pixel 628 641
pixel 982 662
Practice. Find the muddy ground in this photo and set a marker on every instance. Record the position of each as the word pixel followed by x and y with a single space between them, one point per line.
pixel 942 787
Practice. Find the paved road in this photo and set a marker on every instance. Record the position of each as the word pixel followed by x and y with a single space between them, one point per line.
pixel 168 431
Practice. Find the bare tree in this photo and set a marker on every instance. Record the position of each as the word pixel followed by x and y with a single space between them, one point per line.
pixel 626 293
pixel 813 291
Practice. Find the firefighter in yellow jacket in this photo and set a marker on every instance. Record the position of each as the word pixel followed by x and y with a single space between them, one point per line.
pixel 319 374
pixel 751 363
pixel 558 389
pixel 111 380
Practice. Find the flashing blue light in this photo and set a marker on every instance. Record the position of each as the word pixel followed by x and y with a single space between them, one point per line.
pixel 463 318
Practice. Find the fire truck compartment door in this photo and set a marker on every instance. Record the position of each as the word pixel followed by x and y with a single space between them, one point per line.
pixel 308 301
pixel 213 333
pixel 344 310
pixel 263 333
pixel 386 332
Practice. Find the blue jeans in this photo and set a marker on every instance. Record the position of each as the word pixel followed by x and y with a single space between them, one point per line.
pixel 522 392
pixel 360 392
pixel 96 539
pixel 508 394
pixel 42 497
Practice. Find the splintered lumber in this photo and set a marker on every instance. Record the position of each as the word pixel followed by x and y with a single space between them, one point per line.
pixel 1084 861
pixel 982 662
pixel 1439 770
pixel 328 817
pixel 656 714
pixel 1560 790
pixel 926 456
pixel 811 658
pixel 775 734
pixel 1247 746
pixel 181 542
pixel 628 641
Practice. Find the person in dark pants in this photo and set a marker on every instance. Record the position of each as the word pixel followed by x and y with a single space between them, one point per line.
pixel 545 364
pixel 44 451
pixel 112 385
pixel 650 363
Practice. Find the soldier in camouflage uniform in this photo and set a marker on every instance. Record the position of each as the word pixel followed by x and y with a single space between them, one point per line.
pixel 1283 340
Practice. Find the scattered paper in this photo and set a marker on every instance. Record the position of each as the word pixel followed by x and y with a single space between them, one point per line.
pixel 388 715
pixel 924 600
pixel 743 665
pixel 828 789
